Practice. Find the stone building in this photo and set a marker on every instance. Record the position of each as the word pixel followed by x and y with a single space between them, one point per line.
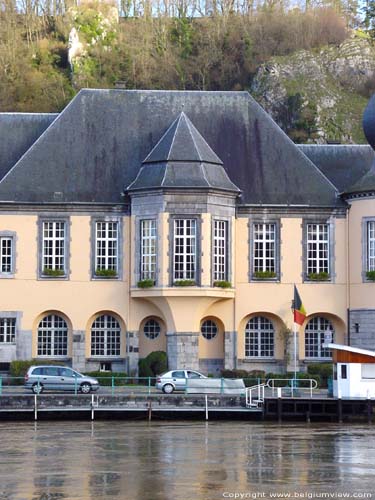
pixel 136 221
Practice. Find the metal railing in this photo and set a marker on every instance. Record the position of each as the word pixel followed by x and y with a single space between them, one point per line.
pixel 291 386
pixel 109 385
pixel 255 395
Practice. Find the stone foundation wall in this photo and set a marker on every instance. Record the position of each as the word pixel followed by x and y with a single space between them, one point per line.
pixel 182 350
pixel 230 350
pixel 211 366
pixel 362 328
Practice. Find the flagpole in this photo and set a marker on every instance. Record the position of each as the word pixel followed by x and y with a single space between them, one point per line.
pixel 295 348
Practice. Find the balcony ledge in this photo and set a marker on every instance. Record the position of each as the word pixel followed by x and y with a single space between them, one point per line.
pixel 183 291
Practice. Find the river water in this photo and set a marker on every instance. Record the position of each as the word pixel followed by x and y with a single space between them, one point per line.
pixel 185 460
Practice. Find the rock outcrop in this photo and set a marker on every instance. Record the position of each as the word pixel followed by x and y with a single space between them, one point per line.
pixel 319 97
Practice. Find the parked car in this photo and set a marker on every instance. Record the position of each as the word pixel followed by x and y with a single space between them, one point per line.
pixel 176 380
pixel 59 378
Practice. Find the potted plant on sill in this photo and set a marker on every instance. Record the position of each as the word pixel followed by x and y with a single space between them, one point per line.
pixel 322 276
pixel 184 283
pixel 264 275
pixel 222 284
pixel 106 273
pixel 53 273
pixel 370 275
pixel 146 283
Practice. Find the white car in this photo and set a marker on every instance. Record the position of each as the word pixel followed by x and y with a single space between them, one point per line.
pixel 176 380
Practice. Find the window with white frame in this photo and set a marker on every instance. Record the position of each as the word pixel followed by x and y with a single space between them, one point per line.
pixel 53 258
pixel 259 337
pixel 6 254
pixel 7 330
pixel 264 248
pixel 209 329
pixel 220 265
pixel 106 248
pixel 105 336
pixel 317 241
pixel 152 329
pixel 53 336
pixel 185 249
pixel 315 331
pixel 370 246
pixel 148 249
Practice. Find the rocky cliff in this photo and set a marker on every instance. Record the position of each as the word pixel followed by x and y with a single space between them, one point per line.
pixel 319 97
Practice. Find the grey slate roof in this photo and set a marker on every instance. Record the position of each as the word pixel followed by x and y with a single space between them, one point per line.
pixel 18 131
pixel 95 148
pixel 182 159
pixel 365 184
pixel 344 165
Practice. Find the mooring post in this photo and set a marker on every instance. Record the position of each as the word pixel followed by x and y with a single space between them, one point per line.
pixel 149 410
pixel 92 406
pixel 339 407
pixel 279 405
pixel 369 408
pixel 308 417
pixel 35 407
pixel 206 400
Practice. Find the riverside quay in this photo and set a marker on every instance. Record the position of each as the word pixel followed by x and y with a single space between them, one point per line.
pixel 140 221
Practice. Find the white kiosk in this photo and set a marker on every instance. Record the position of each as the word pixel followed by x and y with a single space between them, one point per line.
pixel 353 371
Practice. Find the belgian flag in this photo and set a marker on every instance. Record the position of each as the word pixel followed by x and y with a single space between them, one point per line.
pixel 298 309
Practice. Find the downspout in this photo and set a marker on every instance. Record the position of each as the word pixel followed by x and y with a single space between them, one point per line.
pixel 348 287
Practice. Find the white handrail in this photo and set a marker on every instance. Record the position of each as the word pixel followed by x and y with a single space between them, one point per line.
pixel 292 384
pixel 259 389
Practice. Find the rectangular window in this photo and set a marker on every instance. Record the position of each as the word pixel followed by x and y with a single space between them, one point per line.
pixel 106 247
pixel 148 249
pixel 185 251
pixel 317 249
pixel 6 261
pixel 54 247
pixel 7 330
pixel 220 250
pixel 264 248
pixel 343 371
pixel 370 246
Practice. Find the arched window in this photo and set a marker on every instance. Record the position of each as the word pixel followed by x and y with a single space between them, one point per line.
pixel 151 329
pixel 105 336
pixel 259 337
pixel 209 329
pixel 52 336
pixel 314 337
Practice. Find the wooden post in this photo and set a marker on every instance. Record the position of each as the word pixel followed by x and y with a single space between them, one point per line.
pixel 149 410
pixel 279 405
pixel 339 408
pixel 369 409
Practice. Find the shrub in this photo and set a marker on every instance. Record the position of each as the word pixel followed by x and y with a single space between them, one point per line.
pixel 145 283
pixel 370 275
pixel 105 378
pixel 53 272
pixel 264 275
pixel 323 370
pixel 323 276
pixel 184 283
pixel 106 273
pixel 154 364
pixel 19 368
pixel 223 284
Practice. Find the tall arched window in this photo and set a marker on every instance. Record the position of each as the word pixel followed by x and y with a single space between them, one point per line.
pixel 314 337
pixel 259 337
pixel 105 336
pixel 53 336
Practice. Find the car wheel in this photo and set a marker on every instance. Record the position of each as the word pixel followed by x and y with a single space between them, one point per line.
pixel 85 388
pixel 168 389
pixel 37 388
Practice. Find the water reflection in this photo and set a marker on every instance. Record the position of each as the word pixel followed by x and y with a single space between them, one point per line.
pixel 181 460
